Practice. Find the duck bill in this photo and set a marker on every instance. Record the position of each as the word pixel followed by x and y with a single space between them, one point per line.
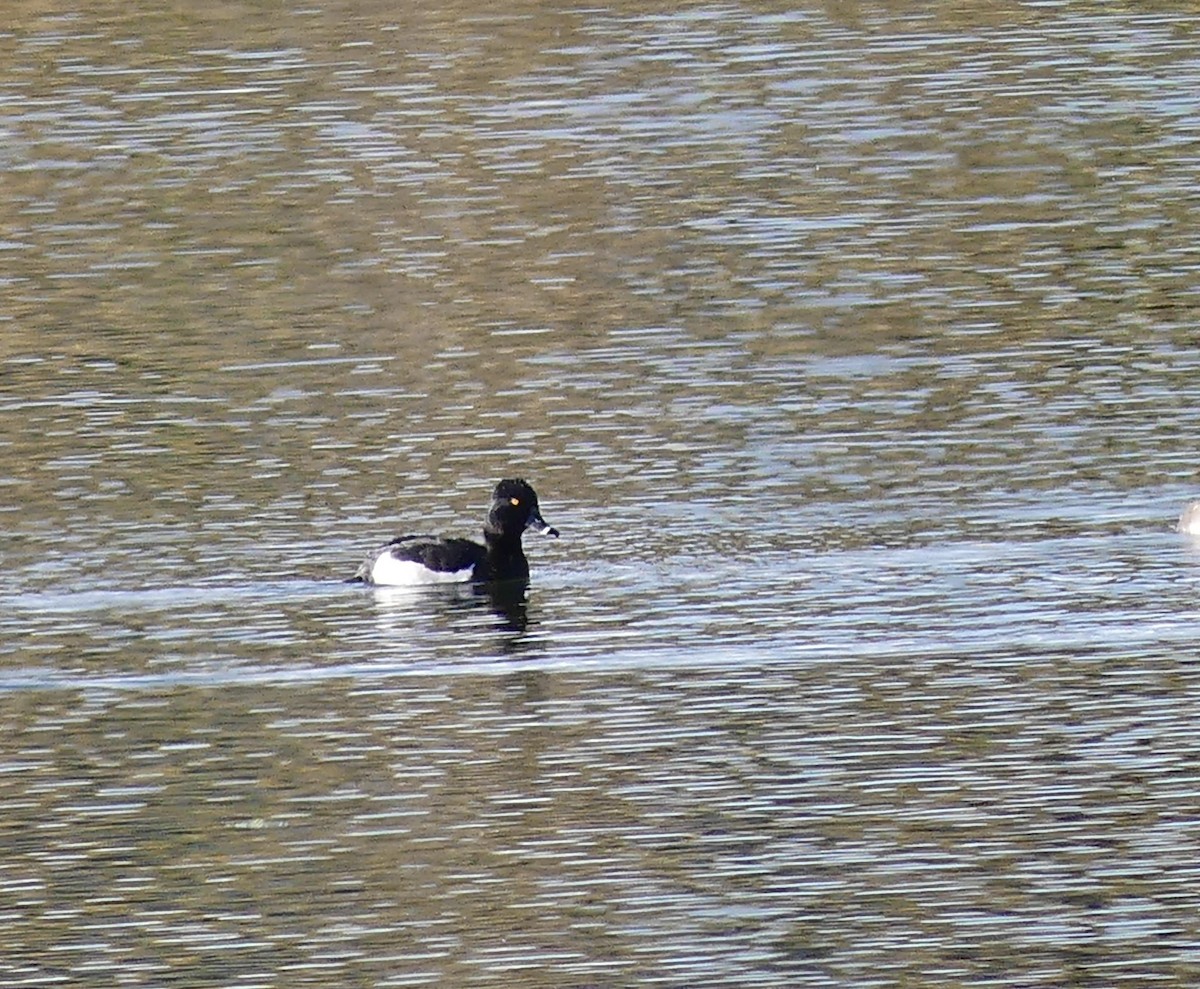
pixel 541 526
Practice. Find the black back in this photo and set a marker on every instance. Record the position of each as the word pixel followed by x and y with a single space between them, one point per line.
pixel 443 555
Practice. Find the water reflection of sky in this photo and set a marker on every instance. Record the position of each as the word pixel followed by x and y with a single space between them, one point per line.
pixel 852 353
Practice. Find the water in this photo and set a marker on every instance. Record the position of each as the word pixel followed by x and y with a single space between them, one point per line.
pixel 851 351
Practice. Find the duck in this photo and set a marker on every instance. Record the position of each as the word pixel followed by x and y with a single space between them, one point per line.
pixel 411 561
pixel 1189 521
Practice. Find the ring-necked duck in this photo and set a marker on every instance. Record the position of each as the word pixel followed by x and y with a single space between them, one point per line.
pixel 415 560
pixel 1189 521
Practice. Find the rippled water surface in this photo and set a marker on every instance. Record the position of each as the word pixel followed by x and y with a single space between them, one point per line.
pixel 851 350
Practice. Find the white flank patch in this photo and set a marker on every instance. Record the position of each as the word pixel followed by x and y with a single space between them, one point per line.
pixel 391 572
pixel 1189 521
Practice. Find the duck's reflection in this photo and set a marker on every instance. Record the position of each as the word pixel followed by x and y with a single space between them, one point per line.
pixel 508 600
pixel 407 609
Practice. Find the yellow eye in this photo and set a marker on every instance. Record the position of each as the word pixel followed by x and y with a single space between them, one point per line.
pixel 515 501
